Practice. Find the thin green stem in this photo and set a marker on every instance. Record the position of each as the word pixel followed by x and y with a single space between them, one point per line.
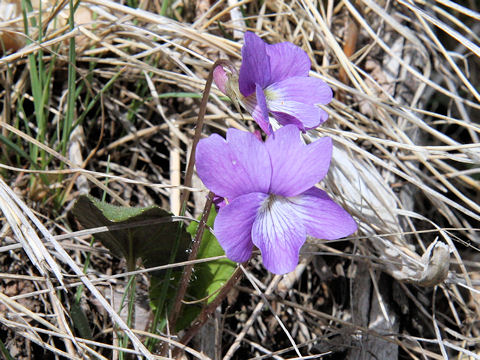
pixel 67 126
pixel 130 293
pixel 37 79
pixel 4 351
pixel 79 292
pixel 165 6
pixel 92 103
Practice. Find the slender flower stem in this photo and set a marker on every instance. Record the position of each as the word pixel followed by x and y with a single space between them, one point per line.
pixel 198 130
pixel 187 273
pixel 188 182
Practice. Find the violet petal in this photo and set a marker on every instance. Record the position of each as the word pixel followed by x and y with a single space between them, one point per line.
pixel 286 119
pixel 287 60
pixel 226 167
pixel 279 234
pixel 255 68
pixel 253 158
pixel 262 116
pixel 304 116
pixel 322 217
pixel 233 225
pixel 258 109
pixel 296 167
pixel 307 90
pixel 292 101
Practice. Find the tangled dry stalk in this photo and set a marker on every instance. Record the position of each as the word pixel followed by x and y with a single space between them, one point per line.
pixel 406 165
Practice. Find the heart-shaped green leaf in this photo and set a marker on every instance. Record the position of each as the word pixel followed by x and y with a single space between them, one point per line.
pixel 147 233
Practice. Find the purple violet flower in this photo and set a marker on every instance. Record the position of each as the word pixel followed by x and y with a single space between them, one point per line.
pixel 271 198
pixel 274 79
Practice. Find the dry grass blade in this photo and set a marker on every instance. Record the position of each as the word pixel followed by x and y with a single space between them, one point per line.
pixel 14 211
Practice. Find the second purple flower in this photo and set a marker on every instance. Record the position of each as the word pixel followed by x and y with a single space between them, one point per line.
pixel 274 80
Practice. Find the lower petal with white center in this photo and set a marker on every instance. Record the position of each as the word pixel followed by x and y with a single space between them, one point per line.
pixel 279 234
pixel 323 218
pixel 233 225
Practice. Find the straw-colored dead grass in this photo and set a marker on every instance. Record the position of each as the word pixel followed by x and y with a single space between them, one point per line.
pixel 406 165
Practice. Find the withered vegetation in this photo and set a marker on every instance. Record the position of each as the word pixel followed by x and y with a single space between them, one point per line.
pixel 406 77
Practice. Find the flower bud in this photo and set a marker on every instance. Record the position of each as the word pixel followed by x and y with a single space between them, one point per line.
pixel 220 78
pixel 227 83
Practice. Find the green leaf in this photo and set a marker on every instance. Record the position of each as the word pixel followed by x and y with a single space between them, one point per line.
pixel 152 241
pixel 208 277
pixel 80 321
